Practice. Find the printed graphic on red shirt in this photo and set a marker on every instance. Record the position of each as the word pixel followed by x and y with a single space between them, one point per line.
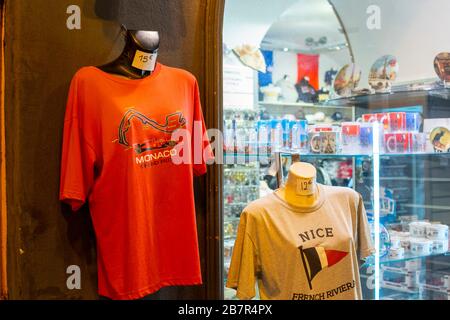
pixel 146 135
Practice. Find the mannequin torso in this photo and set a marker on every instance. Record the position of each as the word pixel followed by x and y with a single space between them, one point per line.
pixel 301 189
pixel 146 42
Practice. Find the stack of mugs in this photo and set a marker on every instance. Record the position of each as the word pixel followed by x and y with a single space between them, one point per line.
pixel 400 131
pixel 424 238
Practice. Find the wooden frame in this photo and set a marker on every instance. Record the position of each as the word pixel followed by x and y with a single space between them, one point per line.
pixel 214 119
pixel 3 213
pixel 214 10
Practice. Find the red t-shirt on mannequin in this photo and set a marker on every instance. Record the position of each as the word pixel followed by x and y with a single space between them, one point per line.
pixel 116 154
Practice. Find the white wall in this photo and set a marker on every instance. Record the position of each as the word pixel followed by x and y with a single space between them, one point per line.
pixel 247 21
pixel 414 31
pixel 284 63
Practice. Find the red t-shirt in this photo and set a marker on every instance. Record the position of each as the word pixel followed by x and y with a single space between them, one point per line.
pixel 116 154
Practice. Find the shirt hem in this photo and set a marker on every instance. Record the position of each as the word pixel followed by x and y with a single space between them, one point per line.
pixel 239 293
pixel 200 172
pixel 152 289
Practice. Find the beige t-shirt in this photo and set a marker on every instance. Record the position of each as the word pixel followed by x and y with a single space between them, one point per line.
pixel 300 253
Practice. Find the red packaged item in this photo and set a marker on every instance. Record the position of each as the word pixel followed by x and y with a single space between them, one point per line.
pixel 397 121
pixel 399 142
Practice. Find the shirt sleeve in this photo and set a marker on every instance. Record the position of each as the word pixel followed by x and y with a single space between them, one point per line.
pixel 78 156
pixel 243 268
pixel 200 141
pixel 365 245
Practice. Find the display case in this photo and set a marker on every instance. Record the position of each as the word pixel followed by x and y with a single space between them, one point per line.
pixel 405 183
pixel 337 84
pixel 401 172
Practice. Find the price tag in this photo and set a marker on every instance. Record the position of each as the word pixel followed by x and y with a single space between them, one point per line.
pixel 305 187
pixel 144 60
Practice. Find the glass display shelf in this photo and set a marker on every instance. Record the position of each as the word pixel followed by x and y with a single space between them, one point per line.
pixel 335 155
pixel 303 105
pixel 389 98
pixel 398 287
pixel 367 155
pixel 386 260
pixel 434 288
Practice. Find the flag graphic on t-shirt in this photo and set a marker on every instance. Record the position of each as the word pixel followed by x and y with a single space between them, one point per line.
pixel 317 258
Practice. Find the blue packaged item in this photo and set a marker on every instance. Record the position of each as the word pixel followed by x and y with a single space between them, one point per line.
pixel 413 120
pixel 276 134
pixel 303 135
pixel 285 126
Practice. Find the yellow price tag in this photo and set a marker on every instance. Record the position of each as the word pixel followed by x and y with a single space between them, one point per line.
pixel 144 60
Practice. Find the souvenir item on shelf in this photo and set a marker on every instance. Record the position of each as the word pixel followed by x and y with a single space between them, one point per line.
pixel 436 282
pixel 398 142
pixel 337 116
pixel 285 125
pixel 440 246
pixel 287 89
pixel 395 242
pixel 321 127
pixel 397 121
pixel 405 243
pixel 383 119
pixel 316 117
pixel 362 91
pixel 442 66
pixel 306 91
pixel 383 72
pixel 398 281
pixel 388 205
pixel 350 137
pixel 417 228
pixel 271 93
pixel 251 57
pixel 298 135
pixel 440 139
pixel 263 137
pixel 419 142
pixel 326 142
pixel 365 137
pixel 421 246
pixel 329 76
pixel 413 121
pixel 396 253
pixel 437 231
pixel 276 134
pixel 384 237
pixel 347 80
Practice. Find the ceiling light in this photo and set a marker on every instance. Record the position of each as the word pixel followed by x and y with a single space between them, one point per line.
pixel 286 49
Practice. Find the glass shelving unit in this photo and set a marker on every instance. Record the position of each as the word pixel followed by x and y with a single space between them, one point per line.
pixel 418 181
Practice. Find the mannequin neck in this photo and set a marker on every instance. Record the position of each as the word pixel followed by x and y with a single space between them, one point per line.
pixel 136 43
pixel 301 189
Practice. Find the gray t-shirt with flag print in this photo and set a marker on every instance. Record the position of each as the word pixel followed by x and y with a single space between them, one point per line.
pixel 297 253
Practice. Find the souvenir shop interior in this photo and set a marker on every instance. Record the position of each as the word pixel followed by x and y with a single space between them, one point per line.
pixel 360 90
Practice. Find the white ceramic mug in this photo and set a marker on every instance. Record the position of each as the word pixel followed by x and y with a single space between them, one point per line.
pixel 437 232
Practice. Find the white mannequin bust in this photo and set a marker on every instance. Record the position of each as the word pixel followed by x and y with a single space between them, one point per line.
pixel 301 189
